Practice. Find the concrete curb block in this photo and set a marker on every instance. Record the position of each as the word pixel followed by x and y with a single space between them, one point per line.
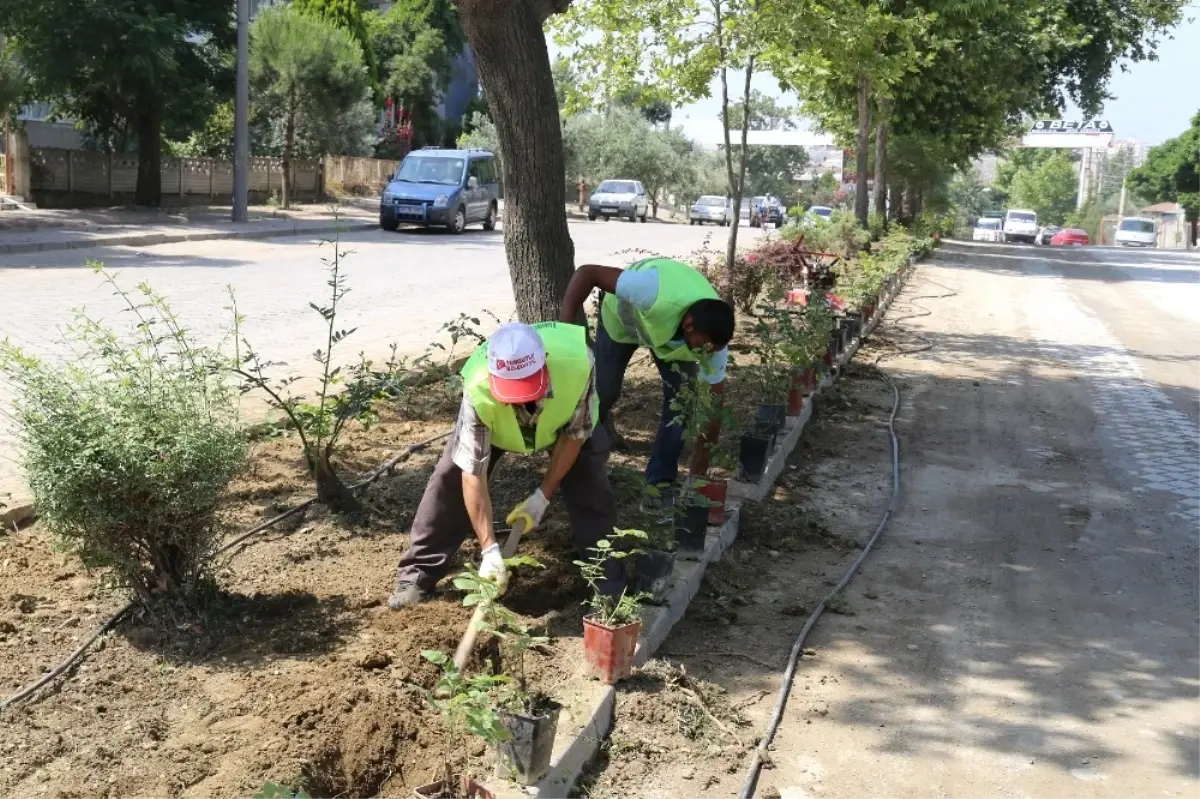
pixel 572 755
pixel 151 239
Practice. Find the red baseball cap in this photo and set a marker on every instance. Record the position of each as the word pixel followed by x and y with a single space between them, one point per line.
pixel 517 364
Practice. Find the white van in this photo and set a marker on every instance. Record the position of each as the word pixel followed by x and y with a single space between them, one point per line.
pixel 1020 224
pixel 1136 231
pixel 987 228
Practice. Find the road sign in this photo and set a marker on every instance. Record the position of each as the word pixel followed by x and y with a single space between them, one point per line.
pixel 1067 126
pixel 1069 134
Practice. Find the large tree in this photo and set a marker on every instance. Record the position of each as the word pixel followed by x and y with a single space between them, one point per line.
pixel 514 68
pixel 1049 188
pixel 149 67
pixel 348 16
pixel 309 75
pixel 1172 173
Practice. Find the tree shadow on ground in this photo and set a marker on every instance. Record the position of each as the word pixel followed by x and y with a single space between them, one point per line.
pixel 240 630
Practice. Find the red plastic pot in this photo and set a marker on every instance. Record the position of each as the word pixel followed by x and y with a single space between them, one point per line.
pixel 812 378
pixel 609 650
pixel 715 491
pixel 466 787
pixel 827 358
pixel 795 402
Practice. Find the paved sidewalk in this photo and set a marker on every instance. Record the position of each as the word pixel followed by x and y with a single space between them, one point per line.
pixel 67 229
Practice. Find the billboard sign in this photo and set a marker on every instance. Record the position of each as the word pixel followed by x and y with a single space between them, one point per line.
pixel 1064 126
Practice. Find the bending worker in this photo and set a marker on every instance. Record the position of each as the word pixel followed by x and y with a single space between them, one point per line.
pixel 672 310
pixel 526 389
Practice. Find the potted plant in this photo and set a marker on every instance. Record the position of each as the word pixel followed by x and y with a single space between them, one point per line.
pixel 652 564
pixel 610 630
pixel 466 705
pixel 772 372
pixel 721 458
pixel 529 718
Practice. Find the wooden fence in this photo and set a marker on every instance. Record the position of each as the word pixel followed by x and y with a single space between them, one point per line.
pixel 358 175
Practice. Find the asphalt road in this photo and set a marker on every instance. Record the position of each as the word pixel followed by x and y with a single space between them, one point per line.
pixel 403 287
pixel 1032 624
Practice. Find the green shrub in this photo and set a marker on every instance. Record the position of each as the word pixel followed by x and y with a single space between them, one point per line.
pixel 129 448
pixel 839 234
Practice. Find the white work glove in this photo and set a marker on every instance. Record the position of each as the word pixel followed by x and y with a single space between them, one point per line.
pixel 530 511
pixel 492 567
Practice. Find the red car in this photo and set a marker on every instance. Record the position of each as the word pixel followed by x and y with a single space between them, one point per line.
pixel 1070 237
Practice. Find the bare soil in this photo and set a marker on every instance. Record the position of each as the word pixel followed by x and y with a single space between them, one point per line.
pixel 791 548
pixel 297 673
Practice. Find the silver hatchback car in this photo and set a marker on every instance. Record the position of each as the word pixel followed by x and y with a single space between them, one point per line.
pixel 711 209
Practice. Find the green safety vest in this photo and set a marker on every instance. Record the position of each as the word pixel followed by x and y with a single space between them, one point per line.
pixel 679 287
pixel 570 371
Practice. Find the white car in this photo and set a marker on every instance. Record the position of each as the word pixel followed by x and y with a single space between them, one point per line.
pixel 817 213
pixel 712 209
pixel 626 198
pixel 988 229
pixel 1020 224
pixel 1136 231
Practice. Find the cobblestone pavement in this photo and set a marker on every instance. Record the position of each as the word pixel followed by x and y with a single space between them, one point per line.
pixel 403 287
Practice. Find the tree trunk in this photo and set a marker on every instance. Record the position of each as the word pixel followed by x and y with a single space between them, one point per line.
pixel 514 68
pixel 862 202
pixel 896 192
pixel 289 146
pixel 148 191
pixel 881 134
pixel 332 492
pixel 731 248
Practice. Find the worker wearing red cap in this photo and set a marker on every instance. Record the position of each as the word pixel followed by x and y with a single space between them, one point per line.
pixel 526 389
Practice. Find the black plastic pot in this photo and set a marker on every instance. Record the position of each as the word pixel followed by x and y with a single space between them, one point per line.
pixel 690 529
pixel 753 449
pixel 526 754
pixel 853 325
pixel 652 573
pixel 772 414
pixel 835 342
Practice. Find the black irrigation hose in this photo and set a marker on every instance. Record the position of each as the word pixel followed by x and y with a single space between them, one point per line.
pixel 785 687
pixel 112 620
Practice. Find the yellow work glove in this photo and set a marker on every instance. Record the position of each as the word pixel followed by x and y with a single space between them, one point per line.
pixel 530 511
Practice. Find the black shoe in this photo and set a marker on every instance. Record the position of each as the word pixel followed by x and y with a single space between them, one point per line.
pixel 407 595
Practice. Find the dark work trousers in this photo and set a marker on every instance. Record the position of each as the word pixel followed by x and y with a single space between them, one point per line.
pixel 612 359
pixel 441 523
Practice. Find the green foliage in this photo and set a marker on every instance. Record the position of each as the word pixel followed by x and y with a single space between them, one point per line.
pixel 143 67
pixel 1049 188
pixel 275 790
pixel 838 234
pixel 309 81
pixel 14 83
pixel 466 704
pixel 1172 171
pixel 969 198
pixel 415 42
pixel 213 140
pixel 342 394
pixel 345 15
pixel 605 609
pixel 499 621
pixel 130 446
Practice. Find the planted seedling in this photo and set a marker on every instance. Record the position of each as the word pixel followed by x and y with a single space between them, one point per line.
pixel 467 706
pixel 606 610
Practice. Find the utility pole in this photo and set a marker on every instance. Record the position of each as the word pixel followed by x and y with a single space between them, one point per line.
pixel 9 166
pixel 241 116
pixel 1121 202
pixel 1081 197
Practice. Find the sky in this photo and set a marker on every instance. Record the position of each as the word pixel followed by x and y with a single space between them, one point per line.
pixel 1153 101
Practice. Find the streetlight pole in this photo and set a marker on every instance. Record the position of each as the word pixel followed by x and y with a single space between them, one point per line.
pixel 241 116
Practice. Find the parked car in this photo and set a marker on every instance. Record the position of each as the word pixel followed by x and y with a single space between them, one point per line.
pixel 450 188
pixel 1046 233
pixel 988 229
pixel 625 198
pixel 1136 231
pixel 750 214
pixel 1020 224
pixel 1070 237
pixel 817 213
pixel 711 209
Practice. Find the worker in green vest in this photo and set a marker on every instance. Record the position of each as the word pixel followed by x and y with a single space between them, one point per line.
pixel 672 310
pixel 528 388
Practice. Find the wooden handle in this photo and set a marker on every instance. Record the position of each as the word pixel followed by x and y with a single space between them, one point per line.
pixel 463 653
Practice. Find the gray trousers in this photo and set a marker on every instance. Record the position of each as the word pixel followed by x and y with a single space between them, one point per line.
pixel 441 523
